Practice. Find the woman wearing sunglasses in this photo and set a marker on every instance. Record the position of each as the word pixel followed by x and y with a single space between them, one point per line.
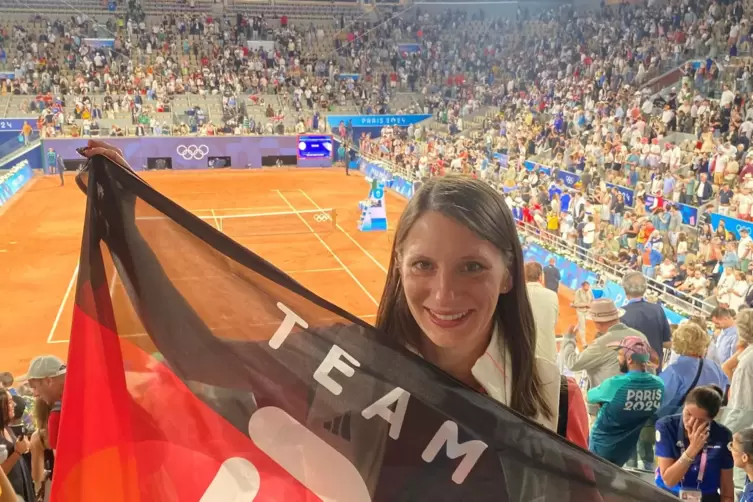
pixel 695 462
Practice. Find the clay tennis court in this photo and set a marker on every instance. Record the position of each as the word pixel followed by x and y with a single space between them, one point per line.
pixel 275 213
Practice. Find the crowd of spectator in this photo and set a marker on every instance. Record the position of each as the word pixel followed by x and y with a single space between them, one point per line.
pixel 573 90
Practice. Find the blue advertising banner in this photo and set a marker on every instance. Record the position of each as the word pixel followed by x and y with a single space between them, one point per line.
pixel 99 43
pixel 9 75
pixel 531 165
pixel 408 48
pixel 689 213
pixel 732 225
pixel 627 193
pixel 502 158
pixel 375 120
pixel 194 152
pixel 11 124
pixel 568 178
pixel 14 180
pixel 571 275
pixel 346 76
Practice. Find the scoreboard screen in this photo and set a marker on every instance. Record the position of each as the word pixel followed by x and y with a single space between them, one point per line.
pixel 315 146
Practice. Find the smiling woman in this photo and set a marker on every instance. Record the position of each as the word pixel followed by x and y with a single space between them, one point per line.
pixel 455 293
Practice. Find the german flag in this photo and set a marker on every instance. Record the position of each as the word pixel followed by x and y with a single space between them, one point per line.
pixel 198 371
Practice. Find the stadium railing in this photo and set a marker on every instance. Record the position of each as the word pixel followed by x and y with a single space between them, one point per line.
pixel 673 297
pixel 667 294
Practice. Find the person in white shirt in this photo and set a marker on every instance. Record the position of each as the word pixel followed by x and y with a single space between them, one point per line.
pixel 545 306
pixel 738 414
pixel 725 285
pixel 695 285
pixel 743 201
pixel 744 249
pixel 726 98
pixel 584 297
pixel 667 270
pixel 589 232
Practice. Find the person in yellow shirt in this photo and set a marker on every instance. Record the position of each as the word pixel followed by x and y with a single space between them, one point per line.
pixel 553 224
pixel 26 131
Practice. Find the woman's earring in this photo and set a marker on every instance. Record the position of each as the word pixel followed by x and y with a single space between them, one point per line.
pixel 506 284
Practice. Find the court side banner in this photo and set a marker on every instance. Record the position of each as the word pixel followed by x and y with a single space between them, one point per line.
pixel 203 373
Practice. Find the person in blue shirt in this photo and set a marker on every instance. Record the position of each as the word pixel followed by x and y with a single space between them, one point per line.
pixel 628 402
pixel 742 453
pixel 690 343
pixel 52 161
pixel 726 342
pixel 695 461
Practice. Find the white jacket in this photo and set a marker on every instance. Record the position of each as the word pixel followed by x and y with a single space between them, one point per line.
pixel 546 307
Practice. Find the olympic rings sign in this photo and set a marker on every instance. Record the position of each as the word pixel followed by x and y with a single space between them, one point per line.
pixel 321 217
pixel 192 151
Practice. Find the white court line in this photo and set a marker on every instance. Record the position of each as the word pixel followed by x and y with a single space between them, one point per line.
pixel 376 262
pixel 137 335
pixel 313 270
pixel 334 255
pixel 216 222
pixel 255 208
pixel 246 215
pixel 113 280
pixel 62 306
pixel 113 283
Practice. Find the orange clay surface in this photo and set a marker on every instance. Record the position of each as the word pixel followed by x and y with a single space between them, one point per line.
pixel 40 238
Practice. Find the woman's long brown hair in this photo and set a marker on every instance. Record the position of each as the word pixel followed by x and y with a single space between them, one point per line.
pixel 478 207
pixel 5 419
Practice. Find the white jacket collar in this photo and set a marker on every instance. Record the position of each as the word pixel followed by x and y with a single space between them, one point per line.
pixel 492 372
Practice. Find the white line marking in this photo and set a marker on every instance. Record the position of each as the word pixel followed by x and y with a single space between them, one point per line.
pixel 216 221
pixel 256 208
pixel 137 335
pixel 113 280
pixel 376 262
pixel 312 270
pixel 246 215
pixel 3 250
pixel 334 255
pixel 62 305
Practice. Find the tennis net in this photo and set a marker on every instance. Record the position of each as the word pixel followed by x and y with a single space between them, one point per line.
pixel 242 226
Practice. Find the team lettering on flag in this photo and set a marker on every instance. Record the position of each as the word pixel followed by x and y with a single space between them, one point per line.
pixel 197 371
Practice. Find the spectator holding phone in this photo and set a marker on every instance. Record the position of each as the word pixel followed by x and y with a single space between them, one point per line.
pixel 14 466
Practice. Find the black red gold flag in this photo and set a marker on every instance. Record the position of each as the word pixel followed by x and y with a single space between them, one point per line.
pixel 210 375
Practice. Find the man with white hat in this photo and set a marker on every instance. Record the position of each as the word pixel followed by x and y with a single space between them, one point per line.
pixel 598 359
pixel 46 377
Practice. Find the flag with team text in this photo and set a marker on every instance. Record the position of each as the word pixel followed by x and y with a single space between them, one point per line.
pixel 198 371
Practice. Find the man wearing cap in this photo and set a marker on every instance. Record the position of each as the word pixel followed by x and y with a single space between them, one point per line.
pixel 599 360
pixel 46 377
pixel 628 402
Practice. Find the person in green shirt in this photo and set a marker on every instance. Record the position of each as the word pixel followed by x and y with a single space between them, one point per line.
pixel 628 401
pixel 691 185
